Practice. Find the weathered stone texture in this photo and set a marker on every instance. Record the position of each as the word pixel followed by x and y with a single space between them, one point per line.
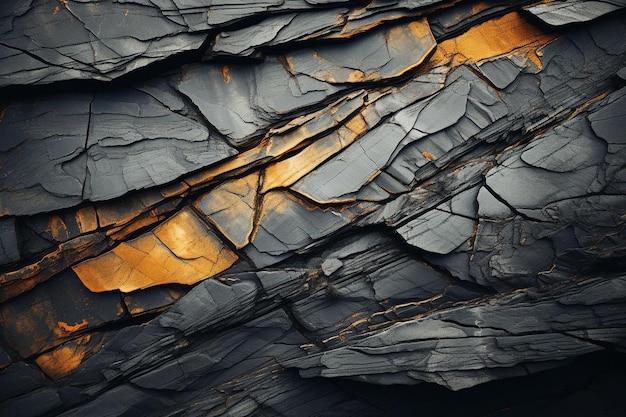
pixel 312 208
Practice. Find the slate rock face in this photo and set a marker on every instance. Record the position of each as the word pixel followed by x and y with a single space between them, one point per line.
pixel 306 208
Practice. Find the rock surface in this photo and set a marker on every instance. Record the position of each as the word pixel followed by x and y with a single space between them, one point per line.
pixel 308 207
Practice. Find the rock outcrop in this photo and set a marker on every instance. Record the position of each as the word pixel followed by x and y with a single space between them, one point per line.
pixel 310 207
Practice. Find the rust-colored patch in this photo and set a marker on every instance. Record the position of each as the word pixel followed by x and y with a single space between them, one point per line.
pixel 286 172
pixel 416 32
pixel 71 328
pixel 226 74
pixel 135 311
pixel 144 220
pixel 58 229
pixel 181 250
pixel 428 156
pixel 86 219
pixel 356 76
pixel 510 34
pixel 56 9
pixel 357 125
pixel 479 7
pixel 126 12
pixel 65 358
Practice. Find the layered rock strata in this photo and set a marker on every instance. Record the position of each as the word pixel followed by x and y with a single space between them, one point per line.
pixel 308 208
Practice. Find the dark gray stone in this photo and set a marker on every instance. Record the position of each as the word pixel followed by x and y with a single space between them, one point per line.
pixel 36 403
pixel 18 379
pixel 399 217
pixel 84 41
pixel 9 246
pixel 217 301
pixel 100 149
pixel 446 227
pixel 501 72
pixel 241 106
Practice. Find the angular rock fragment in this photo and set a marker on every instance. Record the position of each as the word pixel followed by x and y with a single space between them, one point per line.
pixel 53 131
pixel 242 101
pixel 349 171
pixel 501 72
pixel 231 207
pixel 274 30
pixel 181 250
pixel 551 169
pixel 152 300
pixel 135 142
pixel 286 223
pixel 452 20
pixel 446 227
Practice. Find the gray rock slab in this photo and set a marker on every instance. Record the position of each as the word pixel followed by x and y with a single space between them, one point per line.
pixel 37 403
pixel 351 169
pixel 61 41
pixel 446 227
pixel 501 72
pixel 218 302
pixel 527 188
pixel 288 223
pixel 96 147
pixel 376 55
pixel 407 280
pixel 573 11
pixel 9 248
pixel 136 142
pixel 242 101
pixel 608 120
pixel 447 21
pixel 20 378
pixel 52 132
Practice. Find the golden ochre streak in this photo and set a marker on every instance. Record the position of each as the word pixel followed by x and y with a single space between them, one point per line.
pixel 67 357
pixel 509 35
pixel 181 250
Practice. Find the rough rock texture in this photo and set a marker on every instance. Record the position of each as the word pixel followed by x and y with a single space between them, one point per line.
pixel 312 208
